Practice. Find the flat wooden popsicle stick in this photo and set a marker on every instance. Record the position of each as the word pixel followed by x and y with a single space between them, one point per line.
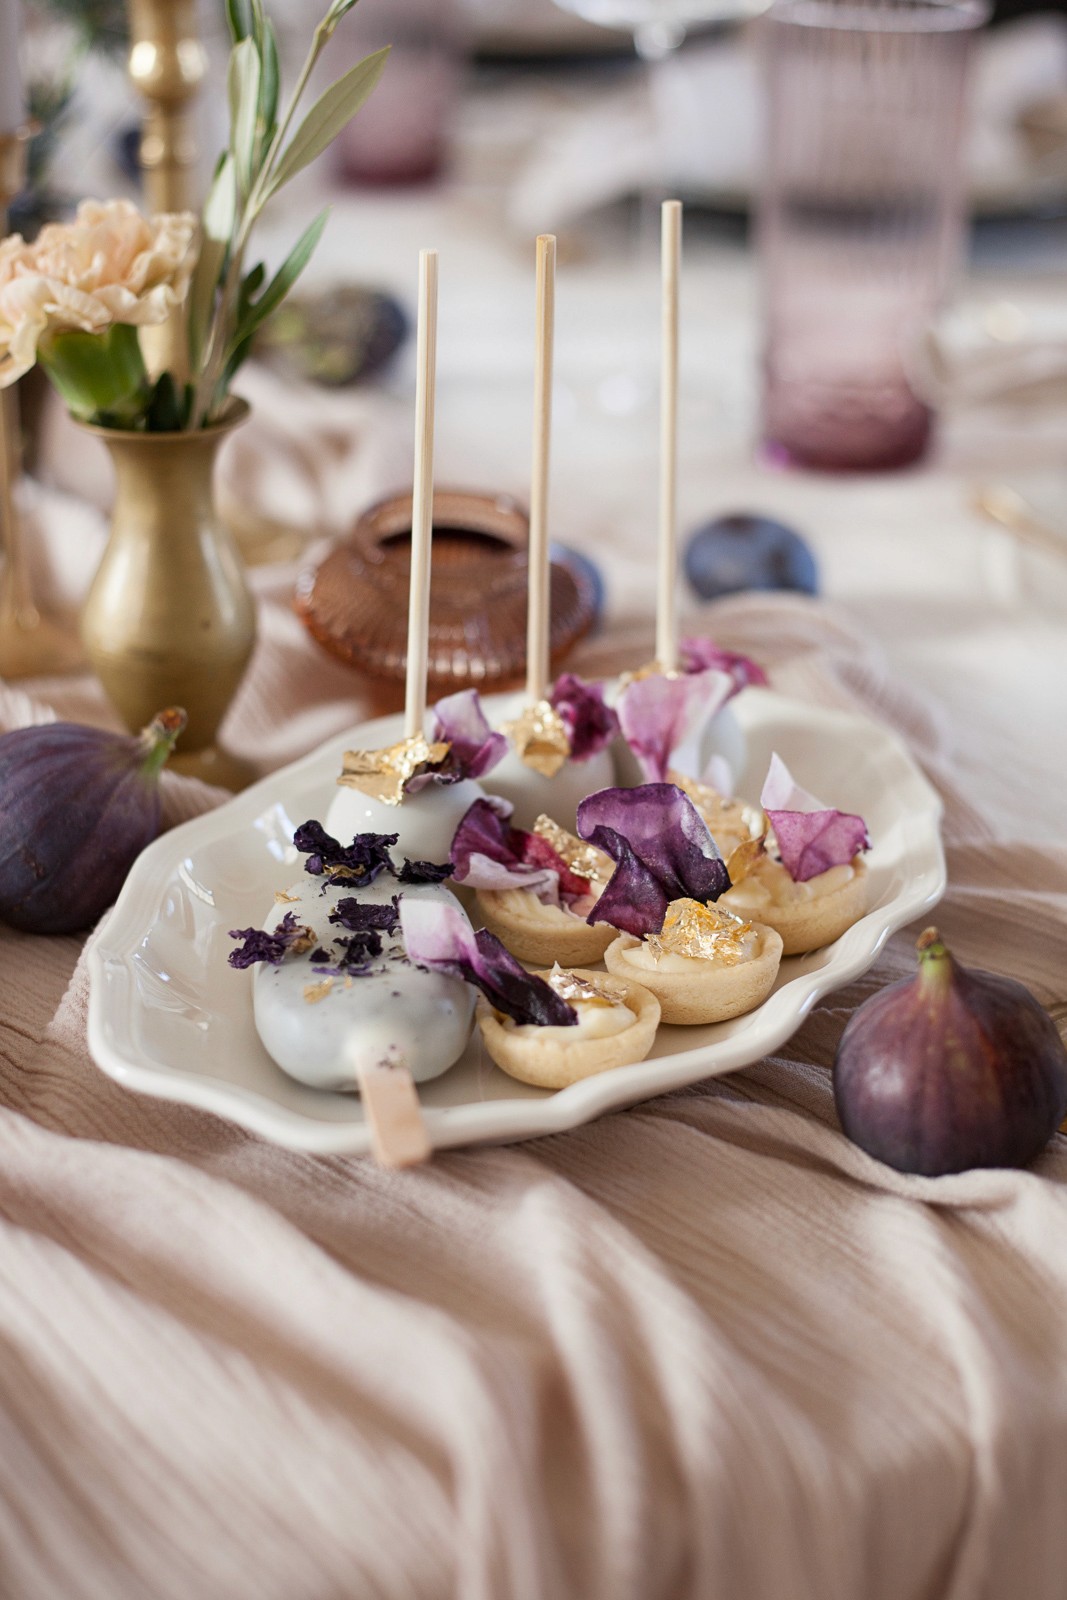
pixel 394 1115
pixel 538 601
pixel 667 580
pixel 422 498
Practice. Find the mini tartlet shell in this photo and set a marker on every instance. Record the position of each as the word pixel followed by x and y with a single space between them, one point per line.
pixel 810 924
pixel 550 1064
pixel 706 991
pixel 540 933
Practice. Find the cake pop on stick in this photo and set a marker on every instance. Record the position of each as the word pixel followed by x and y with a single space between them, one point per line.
pixel 537 618
pixel 666 604
pixel 337 1003
pixel 422 500
pixel 669 711
pixel 419 788
pixel 561 735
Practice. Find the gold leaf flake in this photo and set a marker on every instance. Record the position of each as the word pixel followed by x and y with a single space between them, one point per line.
pixel 746 858
pixel 583 858
pixel 651 669
pixel 598 992
pixel 283 899
pixel 314 992
pixel 383 774
pixel 705 933
pixel 540 738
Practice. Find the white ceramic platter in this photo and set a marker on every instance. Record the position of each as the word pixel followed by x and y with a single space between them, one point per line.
pixel 169 1017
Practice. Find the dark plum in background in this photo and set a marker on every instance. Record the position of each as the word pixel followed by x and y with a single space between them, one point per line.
pixel 745 551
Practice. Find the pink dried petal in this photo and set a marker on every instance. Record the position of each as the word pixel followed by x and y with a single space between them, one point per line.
pixel 811 837
pixel 658 715
pixel 437 935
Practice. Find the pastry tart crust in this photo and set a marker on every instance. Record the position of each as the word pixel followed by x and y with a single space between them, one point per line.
pixel 706 991
pixel 542 934
pixel 550 1063
pixel 811 924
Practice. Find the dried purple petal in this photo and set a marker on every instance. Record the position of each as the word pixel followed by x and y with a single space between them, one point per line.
pixel 360 915
pixel 259 945
pixel 424 871
pixel 662 849
pixel 438 936
pixel 697 655
pixel 591 725
pixel 488 853
pixel 474 749
pixel 364 858
pixel 811 837
pixel 357 952
pixel 658 715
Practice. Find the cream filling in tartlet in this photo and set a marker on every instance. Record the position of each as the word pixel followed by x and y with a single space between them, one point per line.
pixel 769 884
pixel 616 1026
pixel 595 1021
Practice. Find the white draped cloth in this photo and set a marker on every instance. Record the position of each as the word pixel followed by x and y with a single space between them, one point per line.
pixel 701 1347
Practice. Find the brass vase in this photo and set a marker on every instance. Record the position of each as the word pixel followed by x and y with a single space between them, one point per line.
pixel 170 619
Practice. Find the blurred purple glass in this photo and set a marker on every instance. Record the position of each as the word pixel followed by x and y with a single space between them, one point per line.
pixel 402 133
pixel 861 220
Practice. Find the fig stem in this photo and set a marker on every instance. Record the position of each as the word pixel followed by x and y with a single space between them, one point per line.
pixel 159 738
pixel 935 960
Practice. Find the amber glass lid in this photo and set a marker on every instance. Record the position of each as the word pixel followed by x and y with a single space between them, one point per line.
pixel 356 603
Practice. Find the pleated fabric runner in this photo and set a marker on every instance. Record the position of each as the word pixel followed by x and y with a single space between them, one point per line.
pixel 700 1348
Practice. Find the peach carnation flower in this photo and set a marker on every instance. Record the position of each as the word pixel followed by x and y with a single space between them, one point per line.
pixel 111 265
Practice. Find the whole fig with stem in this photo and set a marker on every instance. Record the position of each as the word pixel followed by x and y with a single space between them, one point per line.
pixel 951 1069
pixel 77 806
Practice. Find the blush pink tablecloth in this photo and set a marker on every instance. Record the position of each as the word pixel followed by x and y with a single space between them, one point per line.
pixel 703 1347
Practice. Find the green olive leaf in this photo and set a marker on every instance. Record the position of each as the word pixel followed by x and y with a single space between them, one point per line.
pixel 220 207
pixel 243 88
pixel 252 315
pixel 327 117
pixel 239 17
pixel 270 80
pixel 339 9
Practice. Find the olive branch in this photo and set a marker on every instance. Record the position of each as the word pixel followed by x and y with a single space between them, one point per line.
pixel 227 304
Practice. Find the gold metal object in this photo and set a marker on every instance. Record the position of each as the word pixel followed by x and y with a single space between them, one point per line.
pixel 384 774
pixel 166 65
pixel 704 933
pixel 1006 506
pixel 169 619
pixel 581 857
pixel 30 645
pixel 540 738
pixel 588 991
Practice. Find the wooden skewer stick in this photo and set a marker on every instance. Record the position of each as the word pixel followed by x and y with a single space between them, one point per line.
pixel 394 1115
pixel 537 615
pixel 422 498
pixel 666 620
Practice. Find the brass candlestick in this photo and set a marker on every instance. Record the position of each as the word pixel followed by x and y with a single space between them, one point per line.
pixel 167 63
pixel 30 645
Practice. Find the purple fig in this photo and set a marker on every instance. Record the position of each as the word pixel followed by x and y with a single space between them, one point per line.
pixel 951 1069
pixel 77 806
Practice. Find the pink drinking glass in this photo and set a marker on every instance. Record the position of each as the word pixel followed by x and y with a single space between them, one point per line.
pixel 861 220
